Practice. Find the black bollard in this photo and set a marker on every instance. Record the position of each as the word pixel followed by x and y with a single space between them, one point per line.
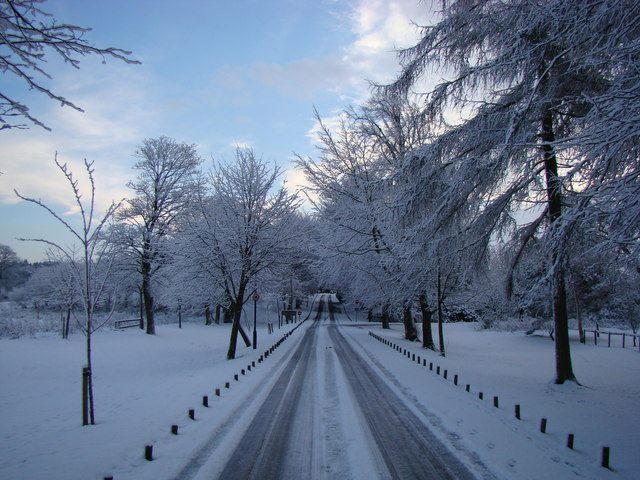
pixel 605 457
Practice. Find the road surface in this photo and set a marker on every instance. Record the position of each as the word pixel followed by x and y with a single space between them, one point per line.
pixel 329 415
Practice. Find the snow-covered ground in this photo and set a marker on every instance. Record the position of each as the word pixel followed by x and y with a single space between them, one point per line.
pixel 519 369
pixel 144 384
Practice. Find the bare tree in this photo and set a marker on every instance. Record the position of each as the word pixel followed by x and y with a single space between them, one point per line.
pixel 165 183
pixel 347 179
pixel 90 265
pixel 241 232
pixel 355 182
pixel 27 34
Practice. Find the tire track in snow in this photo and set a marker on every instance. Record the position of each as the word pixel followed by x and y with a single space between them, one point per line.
pixel 330 416
pixel 307 426
pixel 199 465
pixel 261 451
pixel 408 447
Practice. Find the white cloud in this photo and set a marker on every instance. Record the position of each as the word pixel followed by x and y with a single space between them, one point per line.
pixel 331 122
pixel 296 181
pixel 378 27
pixel 241 144
pixel 382 27
pixel 115 104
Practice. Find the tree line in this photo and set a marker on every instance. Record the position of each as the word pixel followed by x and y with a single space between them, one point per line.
pixel 192 238
pixel 511 183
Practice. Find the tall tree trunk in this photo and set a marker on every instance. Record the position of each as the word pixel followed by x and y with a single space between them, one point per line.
pixel 89 313
pixel 92 419
pixel 65 333
pixel 385 316
pixel 237 312
pixel 578 316
pixel 207 314
pixel 440 302
pixel 148 297
pixel 427 336
pixel 179 315
pixel 410 332
pixel 564 369
pixel 217 318
pixel 141 308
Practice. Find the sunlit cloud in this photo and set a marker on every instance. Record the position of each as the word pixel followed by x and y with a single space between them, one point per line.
pixel 115 105
pixel 297 182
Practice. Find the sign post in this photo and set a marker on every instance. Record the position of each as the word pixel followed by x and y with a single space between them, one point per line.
pixel 256 297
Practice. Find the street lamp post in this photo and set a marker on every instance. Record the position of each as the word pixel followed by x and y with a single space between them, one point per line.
pixel 256 297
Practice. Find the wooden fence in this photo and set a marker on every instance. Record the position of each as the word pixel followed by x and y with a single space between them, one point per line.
pixel 627 338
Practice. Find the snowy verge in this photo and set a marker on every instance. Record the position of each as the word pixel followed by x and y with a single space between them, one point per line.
pixel 143 385
pixel 518 370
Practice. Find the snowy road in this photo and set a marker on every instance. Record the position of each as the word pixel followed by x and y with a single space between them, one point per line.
pixel 329 415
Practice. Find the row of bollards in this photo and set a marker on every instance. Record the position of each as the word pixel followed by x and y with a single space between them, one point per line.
pixel 606 451
pixel 191 413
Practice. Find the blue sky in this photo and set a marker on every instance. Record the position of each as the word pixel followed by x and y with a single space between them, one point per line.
pixel 214 73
